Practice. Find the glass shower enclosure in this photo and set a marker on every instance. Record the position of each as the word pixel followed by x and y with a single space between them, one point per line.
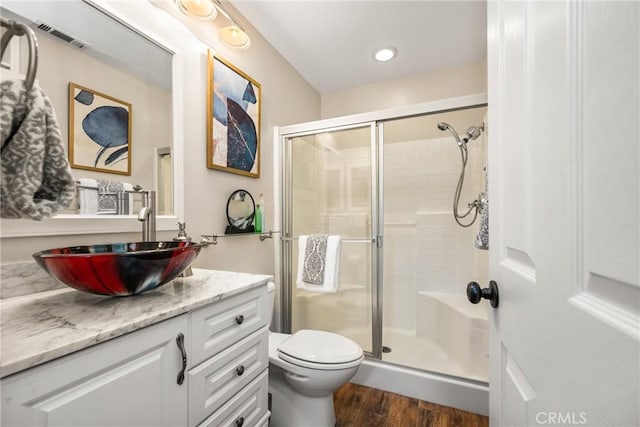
pixel 386 186
pixel 331 189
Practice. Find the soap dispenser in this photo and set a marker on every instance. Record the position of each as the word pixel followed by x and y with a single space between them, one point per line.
pixel 182 237
pixel 259 220
pixel 262 215
pixel 259 216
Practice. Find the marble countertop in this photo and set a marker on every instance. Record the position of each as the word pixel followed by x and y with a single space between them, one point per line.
pixel 43 326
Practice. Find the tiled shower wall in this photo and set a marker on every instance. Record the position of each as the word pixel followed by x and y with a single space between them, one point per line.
pixel 425 249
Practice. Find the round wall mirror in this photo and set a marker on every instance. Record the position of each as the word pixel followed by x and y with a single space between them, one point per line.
pixel 241 210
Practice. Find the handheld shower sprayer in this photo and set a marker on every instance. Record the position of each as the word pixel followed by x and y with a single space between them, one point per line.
pixel 445 126
pixel 478 204
pixel 472 133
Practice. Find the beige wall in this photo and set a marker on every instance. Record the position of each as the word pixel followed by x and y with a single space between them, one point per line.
pixel 287 98
pixel 442 84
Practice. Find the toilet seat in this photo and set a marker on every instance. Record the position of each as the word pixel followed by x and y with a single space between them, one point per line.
pixel 320 350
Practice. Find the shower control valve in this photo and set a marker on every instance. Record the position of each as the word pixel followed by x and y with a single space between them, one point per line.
pixel 475 293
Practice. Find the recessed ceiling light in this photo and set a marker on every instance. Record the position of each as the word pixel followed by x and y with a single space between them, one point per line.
pixel 385 54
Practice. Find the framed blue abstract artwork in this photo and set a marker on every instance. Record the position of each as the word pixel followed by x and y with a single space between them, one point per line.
pixel 233 119
pixel 99 131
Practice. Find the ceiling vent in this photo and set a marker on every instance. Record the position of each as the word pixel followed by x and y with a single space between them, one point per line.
pixel 62 36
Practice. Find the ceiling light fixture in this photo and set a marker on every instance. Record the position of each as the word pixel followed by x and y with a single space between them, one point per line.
pixel 385 54
pixel 232 36
pixel 198 9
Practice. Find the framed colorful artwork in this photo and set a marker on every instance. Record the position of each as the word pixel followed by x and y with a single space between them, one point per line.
pixel 99 131
pixel 233 119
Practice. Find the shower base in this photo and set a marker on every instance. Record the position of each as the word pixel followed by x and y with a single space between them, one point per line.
pixel 421 369
pixel 414 351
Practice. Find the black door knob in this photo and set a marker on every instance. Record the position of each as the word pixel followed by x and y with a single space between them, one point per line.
pixel 475 293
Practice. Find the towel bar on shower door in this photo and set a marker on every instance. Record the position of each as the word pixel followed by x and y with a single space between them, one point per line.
pixel 367 240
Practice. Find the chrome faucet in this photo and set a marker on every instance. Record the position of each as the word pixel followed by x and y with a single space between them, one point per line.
pixel 182 237
pixel 147 214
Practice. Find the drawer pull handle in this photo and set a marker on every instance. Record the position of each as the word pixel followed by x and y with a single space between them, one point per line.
pixel 240 422
pixel 180 342
pixel 239 319
pixel 240 370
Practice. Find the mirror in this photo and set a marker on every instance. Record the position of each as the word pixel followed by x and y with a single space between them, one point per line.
pixel 81 43
pixel 241 210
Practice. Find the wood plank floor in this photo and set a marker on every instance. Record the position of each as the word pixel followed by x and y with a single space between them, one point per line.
pixel 360 406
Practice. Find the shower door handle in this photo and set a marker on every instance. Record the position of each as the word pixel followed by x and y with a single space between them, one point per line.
pixel 475 293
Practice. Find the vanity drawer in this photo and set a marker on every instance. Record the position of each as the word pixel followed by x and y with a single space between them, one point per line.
pixel 246 409
pixel 217 380
pixel 216 327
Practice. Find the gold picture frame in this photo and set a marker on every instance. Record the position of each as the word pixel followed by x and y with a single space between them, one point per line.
pixel 232 97
pixel 99 131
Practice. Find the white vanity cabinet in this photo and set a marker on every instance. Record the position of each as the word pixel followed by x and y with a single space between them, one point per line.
pixel 230 357
pixel 128 381
pixel 132 380
pixel 224 377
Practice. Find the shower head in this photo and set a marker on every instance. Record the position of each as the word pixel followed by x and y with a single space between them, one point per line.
pixel 443 126
pixel 473 132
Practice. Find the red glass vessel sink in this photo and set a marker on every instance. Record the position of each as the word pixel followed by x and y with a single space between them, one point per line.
pixel 118 269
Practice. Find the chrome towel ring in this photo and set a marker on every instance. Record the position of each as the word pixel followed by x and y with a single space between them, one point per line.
pixel 14 28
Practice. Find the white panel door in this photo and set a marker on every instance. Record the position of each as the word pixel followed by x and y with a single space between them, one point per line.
pixel 564 190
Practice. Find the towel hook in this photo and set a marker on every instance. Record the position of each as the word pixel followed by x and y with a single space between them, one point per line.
pixel 20 29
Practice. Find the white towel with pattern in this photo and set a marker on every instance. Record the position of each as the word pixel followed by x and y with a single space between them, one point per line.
pixel 330 266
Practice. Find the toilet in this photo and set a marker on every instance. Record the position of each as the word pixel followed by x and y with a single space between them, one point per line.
pixel 304 370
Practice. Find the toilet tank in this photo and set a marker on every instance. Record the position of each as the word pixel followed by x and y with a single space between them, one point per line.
pixel 271 290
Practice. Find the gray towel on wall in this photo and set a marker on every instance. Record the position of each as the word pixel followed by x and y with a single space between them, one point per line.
pixel 482 238
pixel 36 177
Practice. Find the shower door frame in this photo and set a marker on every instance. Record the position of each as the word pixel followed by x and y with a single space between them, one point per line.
pixel 284 191
pixel 287 238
